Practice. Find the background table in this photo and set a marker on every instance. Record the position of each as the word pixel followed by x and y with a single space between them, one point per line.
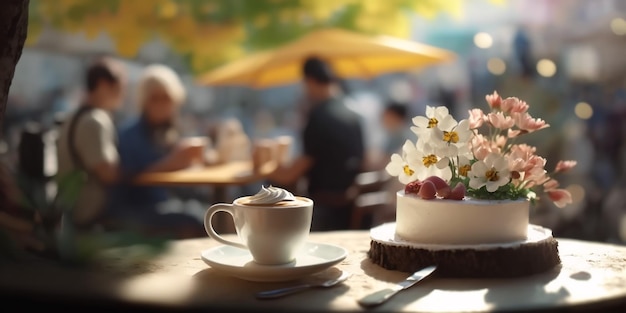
pixel 593 276
pixel 219 176
pixel 225 174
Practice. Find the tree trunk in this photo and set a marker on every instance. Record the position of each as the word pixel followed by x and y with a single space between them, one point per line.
pixel 13 29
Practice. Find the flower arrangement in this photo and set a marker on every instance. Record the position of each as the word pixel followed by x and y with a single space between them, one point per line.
pixel 479 157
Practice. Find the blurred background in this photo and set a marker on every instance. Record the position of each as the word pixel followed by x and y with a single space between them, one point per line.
pixel 564 57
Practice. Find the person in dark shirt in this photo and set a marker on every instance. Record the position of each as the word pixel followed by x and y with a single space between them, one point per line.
pixel 333 149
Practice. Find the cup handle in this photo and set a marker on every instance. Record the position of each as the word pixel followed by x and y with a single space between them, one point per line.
pixel 208 226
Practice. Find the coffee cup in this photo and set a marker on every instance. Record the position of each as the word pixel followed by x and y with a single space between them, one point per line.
pixel 273 233
pixel 264 152
pixel 283 147
pixel 198 145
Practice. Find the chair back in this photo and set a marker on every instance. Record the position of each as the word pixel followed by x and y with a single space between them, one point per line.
pixel 372 196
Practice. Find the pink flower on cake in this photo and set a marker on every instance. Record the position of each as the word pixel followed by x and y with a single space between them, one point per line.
pixel 482 146
pixel 560 197
pixel 532 177
pixel 512 133
pixel 551 184
pixel 480 153
pixel 476 118
pixel 514 105
pixel 494 100
pixel 522 152
pixel 564 166
pixel 500 121
pixel 519 107
pixel 525 122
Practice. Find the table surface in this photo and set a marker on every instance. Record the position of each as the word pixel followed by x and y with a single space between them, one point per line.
pixel 230 173
pixel 592 276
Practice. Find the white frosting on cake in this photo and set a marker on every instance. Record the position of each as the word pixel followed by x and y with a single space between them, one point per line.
pixel 386 234
pixel 465 222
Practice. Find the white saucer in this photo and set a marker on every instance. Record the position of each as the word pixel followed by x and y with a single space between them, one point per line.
pixel 237 262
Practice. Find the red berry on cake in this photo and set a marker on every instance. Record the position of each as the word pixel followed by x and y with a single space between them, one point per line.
pixel 438 181
pixel 458 192
pixel 444 192
pixel 413 187
pixel 443 189
pixel 428 191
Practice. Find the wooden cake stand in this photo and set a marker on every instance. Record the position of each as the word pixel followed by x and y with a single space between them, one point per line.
pixel 537 254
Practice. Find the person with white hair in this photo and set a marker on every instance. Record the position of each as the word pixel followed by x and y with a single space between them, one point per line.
pixel 151 142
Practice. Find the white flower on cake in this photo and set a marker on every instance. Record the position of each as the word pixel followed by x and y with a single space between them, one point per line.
pixel 434 117
pixel 492 172
pixel 452 138
pixel 431 162
pixel 479 156
pixel 404 166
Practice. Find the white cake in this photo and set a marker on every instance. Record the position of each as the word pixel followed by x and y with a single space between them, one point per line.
pixel 464 238
pixel 465 222
pixel 444 213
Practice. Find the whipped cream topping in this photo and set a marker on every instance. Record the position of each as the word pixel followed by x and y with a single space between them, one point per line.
pixel 271 195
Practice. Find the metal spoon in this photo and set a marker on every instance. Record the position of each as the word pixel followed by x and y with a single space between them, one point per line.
pixel 275 293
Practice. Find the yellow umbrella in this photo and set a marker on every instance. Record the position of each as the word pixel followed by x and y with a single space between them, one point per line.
pixel 351 55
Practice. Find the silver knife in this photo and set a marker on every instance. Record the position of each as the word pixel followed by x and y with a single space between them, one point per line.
pixel 381 296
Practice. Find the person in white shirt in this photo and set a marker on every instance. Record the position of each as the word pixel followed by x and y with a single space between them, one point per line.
pixel 87 140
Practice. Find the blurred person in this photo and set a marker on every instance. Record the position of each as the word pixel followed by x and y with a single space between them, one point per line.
pixel 333 149
pixel 522 48
pixel 87 140
pixel 395 120
pixel 151 142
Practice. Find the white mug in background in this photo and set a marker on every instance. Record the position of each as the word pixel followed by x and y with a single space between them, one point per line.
pixel 263 152
pixel 283 149
pixel 273 233
pixel 199 144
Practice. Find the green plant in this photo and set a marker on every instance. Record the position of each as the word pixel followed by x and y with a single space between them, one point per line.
pixel 34 222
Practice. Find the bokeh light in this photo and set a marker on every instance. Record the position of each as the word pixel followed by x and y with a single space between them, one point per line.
pixel 483 40
pixel 583 110
pixel 546 68
pixel 618 26
pixel 496 66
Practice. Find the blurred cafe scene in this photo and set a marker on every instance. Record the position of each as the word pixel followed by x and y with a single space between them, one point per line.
pixel 122 122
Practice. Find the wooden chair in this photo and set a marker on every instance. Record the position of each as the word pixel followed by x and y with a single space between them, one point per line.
pixel 371 196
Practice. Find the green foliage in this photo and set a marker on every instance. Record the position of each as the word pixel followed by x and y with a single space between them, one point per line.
pixel 506 192
pixel 218 31
pixel 53 226
pixel 68 191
